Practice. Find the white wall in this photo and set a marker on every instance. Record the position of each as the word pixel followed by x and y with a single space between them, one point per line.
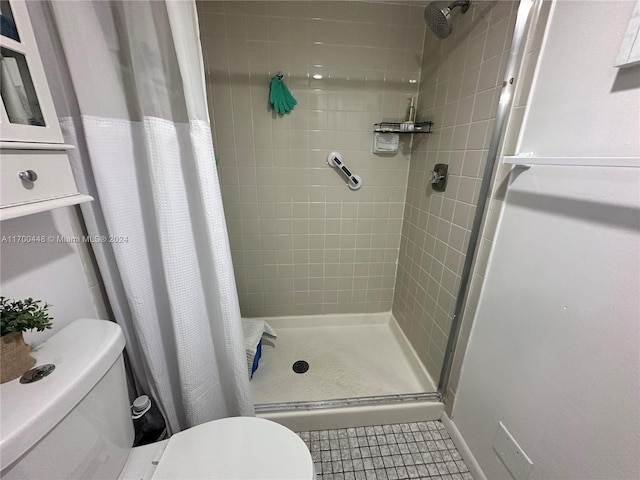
pixel 581 105
pixel 554 352
pixel 56 272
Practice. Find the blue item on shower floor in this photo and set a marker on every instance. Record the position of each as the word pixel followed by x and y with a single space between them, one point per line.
pixel 254 331
pixel 256 359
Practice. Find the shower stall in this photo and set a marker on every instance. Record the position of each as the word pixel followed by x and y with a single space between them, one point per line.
pixel 364 285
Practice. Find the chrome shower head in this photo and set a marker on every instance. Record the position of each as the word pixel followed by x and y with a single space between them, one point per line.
pixel 439 19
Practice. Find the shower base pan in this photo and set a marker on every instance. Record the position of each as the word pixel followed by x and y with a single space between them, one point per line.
pixel 349 356
pixel 359 365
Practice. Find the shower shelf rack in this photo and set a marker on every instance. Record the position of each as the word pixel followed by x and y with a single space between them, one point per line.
pixel 396 127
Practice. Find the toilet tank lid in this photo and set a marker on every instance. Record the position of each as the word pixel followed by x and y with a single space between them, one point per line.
pixel 82 353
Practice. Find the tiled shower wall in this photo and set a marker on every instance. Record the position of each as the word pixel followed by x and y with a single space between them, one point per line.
pixel 459 91
pixel 302 242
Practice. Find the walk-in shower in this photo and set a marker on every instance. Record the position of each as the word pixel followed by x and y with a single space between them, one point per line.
pixel 361 284
pixel 438 18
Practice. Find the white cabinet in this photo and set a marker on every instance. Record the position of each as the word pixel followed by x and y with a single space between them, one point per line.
pixel 29 177
pixel 34 168
pixel 28 114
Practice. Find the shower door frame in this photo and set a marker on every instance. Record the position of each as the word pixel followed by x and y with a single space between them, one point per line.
pixel 527 11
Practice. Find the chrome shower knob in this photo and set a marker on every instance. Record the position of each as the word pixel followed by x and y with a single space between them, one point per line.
pixel 438 177
pixel 435 177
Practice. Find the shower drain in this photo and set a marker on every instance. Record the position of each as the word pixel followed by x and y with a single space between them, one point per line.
pixel 300 366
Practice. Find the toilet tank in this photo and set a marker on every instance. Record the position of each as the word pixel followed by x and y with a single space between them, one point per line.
pixel 76 422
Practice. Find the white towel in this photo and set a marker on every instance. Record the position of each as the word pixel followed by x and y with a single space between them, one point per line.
pixel 254 331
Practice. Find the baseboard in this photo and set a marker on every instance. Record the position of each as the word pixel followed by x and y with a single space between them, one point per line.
pixel 463 448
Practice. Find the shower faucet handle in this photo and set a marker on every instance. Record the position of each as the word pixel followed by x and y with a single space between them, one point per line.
pixel 435 177
pixel 438 177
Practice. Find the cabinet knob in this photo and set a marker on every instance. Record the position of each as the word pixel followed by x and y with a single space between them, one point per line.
pixel 28 176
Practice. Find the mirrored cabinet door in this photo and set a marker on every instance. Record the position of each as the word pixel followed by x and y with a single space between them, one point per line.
pixel 27 113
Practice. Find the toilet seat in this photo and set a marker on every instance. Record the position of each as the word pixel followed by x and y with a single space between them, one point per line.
pixel 235 448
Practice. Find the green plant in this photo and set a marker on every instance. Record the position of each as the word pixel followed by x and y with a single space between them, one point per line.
pixel 22 315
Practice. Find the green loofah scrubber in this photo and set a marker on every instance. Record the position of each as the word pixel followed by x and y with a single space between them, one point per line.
pixel 279 96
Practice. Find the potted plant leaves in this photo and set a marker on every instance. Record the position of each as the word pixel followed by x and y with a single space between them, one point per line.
pixel 16 317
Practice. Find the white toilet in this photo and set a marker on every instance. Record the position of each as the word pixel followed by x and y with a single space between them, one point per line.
pixel 76 423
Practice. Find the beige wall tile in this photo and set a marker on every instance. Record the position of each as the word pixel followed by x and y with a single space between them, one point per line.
pixel 458 92
pixel 290 216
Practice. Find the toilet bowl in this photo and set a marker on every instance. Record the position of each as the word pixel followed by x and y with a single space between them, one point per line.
pixel 76 423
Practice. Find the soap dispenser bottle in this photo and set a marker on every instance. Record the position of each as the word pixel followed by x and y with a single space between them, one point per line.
pixel 411 111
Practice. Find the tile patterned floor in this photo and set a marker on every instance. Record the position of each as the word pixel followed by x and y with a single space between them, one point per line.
pixel 386 452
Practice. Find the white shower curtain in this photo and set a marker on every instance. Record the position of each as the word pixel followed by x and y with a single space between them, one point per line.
pixel 129 86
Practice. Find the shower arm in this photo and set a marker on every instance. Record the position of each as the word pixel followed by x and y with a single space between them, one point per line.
pixel 463 4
